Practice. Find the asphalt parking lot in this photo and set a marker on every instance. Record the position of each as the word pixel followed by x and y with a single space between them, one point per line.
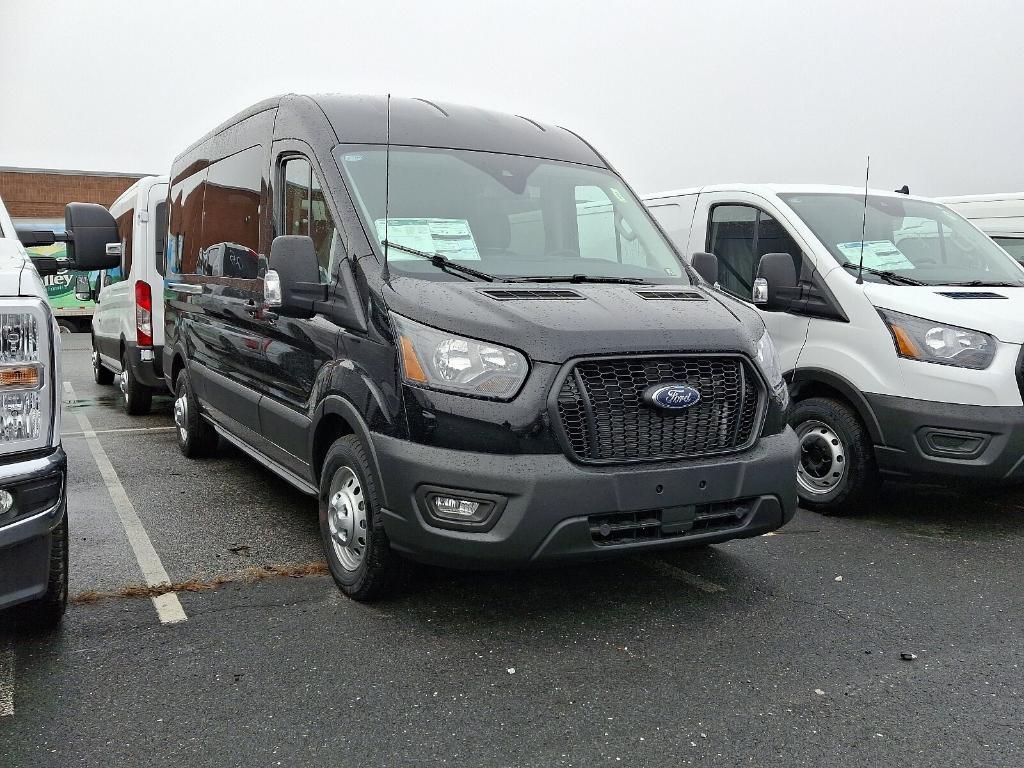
pixel 781 650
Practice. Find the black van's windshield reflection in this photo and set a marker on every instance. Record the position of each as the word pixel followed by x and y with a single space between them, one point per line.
pixel 509 217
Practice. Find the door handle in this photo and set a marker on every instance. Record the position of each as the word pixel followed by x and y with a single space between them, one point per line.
pixel 186 288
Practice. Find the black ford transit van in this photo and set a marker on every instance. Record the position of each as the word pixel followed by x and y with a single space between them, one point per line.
pixel 465 335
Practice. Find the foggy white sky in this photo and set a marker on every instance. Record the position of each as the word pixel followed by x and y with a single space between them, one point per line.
pixel 673 93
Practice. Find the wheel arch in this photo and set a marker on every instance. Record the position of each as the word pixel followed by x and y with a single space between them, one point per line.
pixel 334 418
pixel 815 382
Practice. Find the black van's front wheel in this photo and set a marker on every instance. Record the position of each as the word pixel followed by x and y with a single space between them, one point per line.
pixel 357 549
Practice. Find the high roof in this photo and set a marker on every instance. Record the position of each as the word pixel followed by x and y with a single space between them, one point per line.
pixel 422 123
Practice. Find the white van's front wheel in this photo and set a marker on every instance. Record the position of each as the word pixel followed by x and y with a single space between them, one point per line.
pixel 837 472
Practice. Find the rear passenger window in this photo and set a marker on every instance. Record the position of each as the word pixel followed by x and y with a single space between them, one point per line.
pixel 305 211
pixel 231 216
pixel 739 236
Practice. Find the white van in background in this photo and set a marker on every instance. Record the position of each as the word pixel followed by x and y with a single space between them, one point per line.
pixel 1000 216
pixel 911 367
pixel 127 327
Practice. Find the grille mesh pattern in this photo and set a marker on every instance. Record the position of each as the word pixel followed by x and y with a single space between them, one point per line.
pixel 606 420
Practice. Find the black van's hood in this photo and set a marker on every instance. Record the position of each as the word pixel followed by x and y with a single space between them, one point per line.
pixel 608 319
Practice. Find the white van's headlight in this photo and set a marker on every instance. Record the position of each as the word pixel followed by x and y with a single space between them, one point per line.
pixel 26 392
pixel 441 360
pixel 768 361
pixel 919 339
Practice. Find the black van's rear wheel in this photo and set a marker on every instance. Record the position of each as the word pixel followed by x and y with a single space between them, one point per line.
pixel 837 473
pixel 357 549
pixel 138 398
pixel 196 437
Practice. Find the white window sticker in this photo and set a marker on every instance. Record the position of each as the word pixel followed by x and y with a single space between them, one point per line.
pixel 878 254
pixel 452 238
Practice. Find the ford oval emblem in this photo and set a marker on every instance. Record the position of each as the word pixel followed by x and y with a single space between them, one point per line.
pixel 671 397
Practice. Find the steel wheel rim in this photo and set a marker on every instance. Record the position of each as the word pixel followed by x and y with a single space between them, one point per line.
pixel 181 415
pixel 123 383
pixel 95 360
pixel 346 519
pixel 822 458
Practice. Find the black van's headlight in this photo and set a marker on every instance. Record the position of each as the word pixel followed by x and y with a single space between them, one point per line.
pixel 441 360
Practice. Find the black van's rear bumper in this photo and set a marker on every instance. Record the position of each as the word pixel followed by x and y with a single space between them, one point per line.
pixel 146 364
pixel 549 508
pixel 25 542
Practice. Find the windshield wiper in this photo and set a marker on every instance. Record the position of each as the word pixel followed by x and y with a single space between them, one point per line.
pixel 442 262
pixel 985 284
pixel 576 279
pixel 891 277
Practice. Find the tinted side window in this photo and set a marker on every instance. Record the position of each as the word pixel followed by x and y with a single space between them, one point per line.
pixel 186 223
pixel 231 213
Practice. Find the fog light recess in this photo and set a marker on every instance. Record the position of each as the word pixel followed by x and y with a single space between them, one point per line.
pixel 459 510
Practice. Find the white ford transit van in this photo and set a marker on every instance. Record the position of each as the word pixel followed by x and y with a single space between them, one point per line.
pixel 1000 216
pixel 910 367
pixel 127 327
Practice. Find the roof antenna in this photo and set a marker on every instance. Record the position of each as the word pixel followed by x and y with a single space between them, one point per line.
pixel 864 224
pixel 387 184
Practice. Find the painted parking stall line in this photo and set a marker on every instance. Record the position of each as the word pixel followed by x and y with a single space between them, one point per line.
pixel 168 607
pixel 119 430
pixel 679 574
pixel 6 678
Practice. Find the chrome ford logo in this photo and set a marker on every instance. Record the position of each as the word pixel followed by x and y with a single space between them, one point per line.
pixel 671 397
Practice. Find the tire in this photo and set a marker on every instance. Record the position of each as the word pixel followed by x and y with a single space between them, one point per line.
pixel 66 326
pixel 196 437
pixel 100 374
pixel 356 546
pixel 45 614
pixel 138 398
pixel 837 474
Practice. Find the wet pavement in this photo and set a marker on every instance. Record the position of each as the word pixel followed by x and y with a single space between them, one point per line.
pixel 782 650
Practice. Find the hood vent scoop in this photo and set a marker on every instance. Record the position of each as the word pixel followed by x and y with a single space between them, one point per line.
pixel 527 294
pixel 662 295
pixel 971 295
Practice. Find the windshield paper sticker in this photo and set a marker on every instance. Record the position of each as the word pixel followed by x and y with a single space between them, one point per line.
pixel 882 255
pixel 452 238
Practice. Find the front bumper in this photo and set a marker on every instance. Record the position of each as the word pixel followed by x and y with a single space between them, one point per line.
pixel 927 439
pixel 556 510
pixel 25 543
pixel 149 371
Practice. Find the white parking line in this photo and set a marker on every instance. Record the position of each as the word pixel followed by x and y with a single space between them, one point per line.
pixel 6 679
pixel 677 573
pixel 168 607
pixel 122 429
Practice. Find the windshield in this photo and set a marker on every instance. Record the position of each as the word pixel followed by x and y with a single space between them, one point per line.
pixel 1012 245
pixel 505 215
pixel 921 241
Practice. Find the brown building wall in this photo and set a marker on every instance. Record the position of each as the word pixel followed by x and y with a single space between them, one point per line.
pixel 43 195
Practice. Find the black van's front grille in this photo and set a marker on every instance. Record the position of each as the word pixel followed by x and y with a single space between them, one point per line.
pixel 605 420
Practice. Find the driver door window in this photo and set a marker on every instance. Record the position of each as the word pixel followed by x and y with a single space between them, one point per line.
pixel 739 236
pixel 305 211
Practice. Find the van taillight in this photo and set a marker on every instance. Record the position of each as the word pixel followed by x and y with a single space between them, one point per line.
pixel 143 314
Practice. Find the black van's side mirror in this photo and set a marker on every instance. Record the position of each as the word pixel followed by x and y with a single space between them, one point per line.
pixel 775 285
pixel 93 242
pixel 706 265
pixel 291 285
